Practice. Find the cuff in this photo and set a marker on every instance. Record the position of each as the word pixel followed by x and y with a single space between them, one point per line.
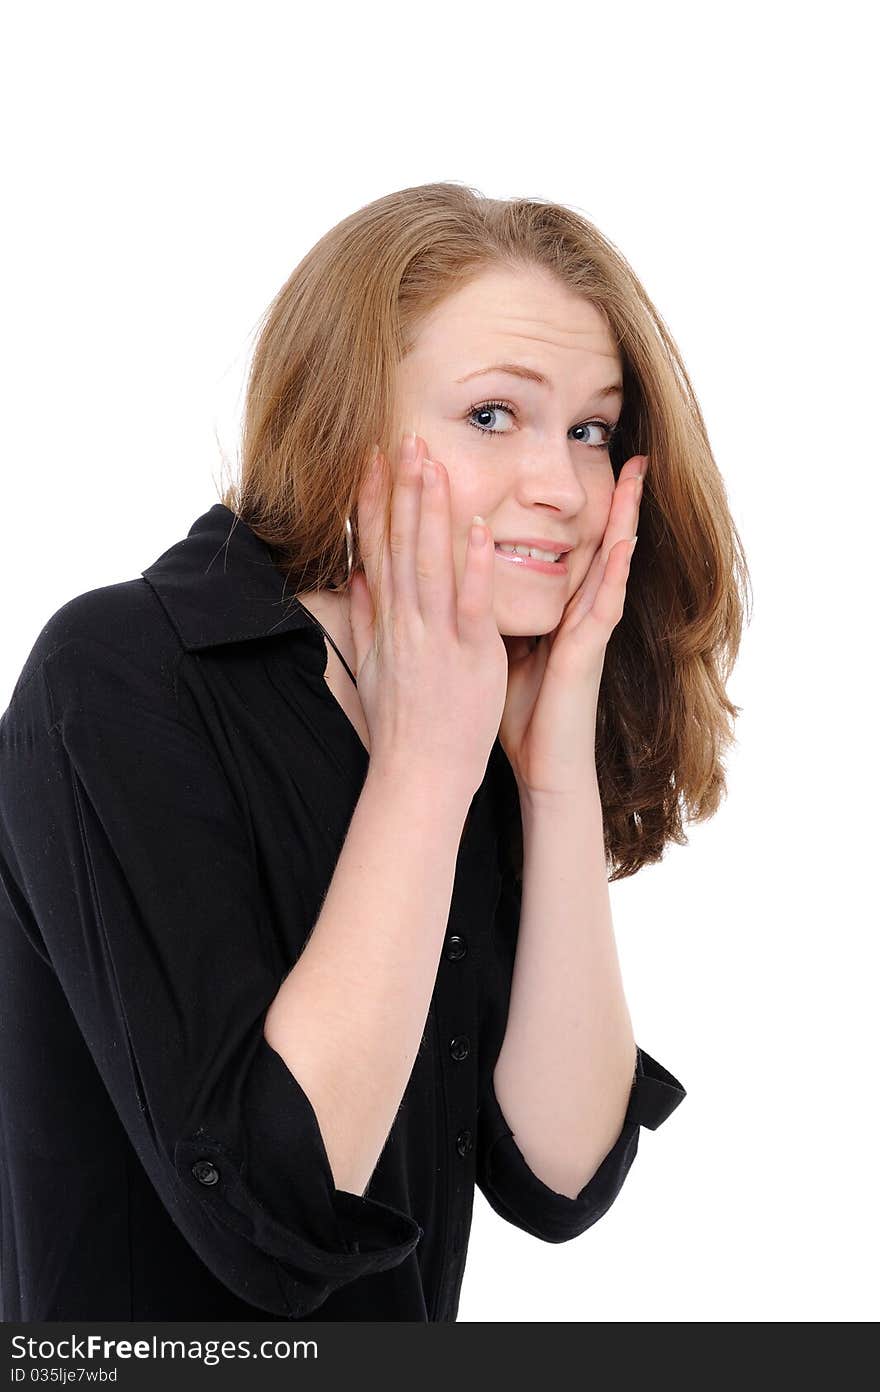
pixel 282 1235
pixel 516 1193
pixel 655 1093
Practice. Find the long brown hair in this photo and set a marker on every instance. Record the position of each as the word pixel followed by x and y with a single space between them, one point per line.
pixel 321 391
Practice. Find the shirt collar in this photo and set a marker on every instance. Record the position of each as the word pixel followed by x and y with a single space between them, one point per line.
pixel 220 585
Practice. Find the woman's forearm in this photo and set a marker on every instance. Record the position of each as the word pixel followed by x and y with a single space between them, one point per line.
pixel 349 1017
pixel 566 1065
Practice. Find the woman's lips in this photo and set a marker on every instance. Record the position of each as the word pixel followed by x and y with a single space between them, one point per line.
pixel 557 568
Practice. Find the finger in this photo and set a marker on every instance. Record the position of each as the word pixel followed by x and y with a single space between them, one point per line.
pixel 607 607
pixel 372 540
pixel 406 502
pixel 624 513
pixel 361 617
pixel 582 600
pixel 476 593
pixel 435 564
pixel 623 522
pixel 585 597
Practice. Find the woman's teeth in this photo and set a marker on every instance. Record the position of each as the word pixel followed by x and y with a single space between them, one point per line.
pixel 528 551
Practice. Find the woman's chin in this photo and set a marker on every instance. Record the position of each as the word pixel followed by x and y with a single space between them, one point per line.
pixel 523 623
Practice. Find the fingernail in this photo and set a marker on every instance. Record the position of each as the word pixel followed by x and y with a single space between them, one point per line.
pixel 632 545
pixel 479 534
pixel 408 449
pixel 429 473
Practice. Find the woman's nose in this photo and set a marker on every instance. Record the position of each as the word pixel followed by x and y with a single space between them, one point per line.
pixel 552 478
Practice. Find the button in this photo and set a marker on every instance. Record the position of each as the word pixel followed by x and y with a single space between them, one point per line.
pixel 460 1047
pixel 205 1172
pixel 464 1142
pixel 456 947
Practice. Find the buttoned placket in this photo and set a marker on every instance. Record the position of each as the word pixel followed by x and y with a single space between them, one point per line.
pixel 456 1019
pixel 454 1023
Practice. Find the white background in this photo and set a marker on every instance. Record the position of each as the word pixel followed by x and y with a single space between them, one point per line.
pixel 167 166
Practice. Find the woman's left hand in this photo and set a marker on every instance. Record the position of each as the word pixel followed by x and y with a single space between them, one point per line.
pixel 548 729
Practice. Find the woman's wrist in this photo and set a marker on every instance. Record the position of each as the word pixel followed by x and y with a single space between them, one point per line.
pixel 410 776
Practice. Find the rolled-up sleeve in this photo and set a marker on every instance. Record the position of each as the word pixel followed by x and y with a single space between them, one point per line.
pixel 135 858
pixel 503 1175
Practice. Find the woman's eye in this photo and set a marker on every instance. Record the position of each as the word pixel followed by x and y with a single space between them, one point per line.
pixel 600 426
pixel 482 419
pixel 490 409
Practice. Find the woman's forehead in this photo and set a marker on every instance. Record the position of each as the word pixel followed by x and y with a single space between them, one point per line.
pixel 506 318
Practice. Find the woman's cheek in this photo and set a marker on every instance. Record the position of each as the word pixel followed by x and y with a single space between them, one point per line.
pixel 466 499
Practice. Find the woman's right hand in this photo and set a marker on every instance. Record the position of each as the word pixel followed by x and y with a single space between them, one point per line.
pixel 431 663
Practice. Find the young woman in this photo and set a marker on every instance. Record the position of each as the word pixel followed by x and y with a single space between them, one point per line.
pixel 306 832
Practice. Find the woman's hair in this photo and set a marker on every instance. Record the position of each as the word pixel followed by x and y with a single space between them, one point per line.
pixel 322 389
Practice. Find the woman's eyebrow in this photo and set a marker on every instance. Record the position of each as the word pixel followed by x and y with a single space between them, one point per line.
pixel 529 373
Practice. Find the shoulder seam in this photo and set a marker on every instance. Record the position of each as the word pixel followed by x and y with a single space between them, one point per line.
pixel 169 679
pixel 39 671
pixel 19 690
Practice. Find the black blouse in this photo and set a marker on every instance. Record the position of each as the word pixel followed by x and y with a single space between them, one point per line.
pixel 176 784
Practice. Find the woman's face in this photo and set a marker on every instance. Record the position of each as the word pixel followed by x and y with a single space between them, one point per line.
pixel 542 469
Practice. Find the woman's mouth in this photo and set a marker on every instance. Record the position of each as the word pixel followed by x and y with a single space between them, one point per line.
pixel 533 558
